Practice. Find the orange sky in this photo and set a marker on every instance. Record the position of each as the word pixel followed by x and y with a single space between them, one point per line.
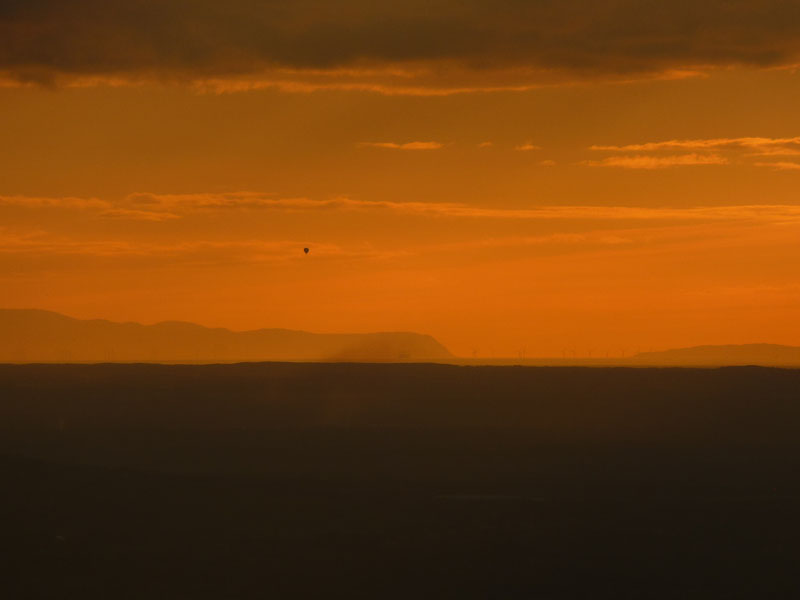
pixel 548 197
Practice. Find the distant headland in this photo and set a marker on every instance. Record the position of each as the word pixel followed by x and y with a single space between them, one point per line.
pixel 28 335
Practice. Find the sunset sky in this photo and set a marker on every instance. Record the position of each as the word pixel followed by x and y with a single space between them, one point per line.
pixel 587 177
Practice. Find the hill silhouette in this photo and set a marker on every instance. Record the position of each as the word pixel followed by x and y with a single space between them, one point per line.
pixel 44 336
pixel 731 355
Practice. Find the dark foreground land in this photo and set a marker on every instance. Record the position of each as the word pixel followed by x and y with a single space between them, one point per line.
pixel 398 481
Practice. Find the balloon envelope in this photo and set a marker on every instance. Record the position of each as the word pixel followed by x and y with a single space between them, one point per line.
pixel 305 250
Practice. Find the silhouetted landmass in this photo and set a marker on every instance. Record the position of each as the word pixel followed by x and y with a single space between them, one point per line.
pixel 43 336
pixel 743 354
pixel 293 480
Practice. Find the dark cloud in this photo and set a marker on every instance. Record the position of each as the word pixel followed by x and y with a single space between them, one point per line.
pixel 43 40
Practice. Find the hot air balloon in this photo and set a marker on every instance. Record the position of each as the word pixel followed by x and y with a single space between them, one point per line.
pixel 305 250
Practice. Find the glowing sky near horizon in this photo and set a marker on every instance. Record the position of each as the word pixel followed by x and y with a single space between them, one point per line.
pixel 572 176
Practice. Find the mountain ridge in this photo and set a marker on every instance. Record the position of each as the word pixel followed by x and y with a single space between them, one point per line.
pixel 757 354
pixel 36 335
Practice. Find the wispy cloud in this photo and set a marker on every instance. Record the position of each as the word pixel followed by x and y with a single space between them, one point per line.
pixel 156 206
pixel 391 81
pixel 249 201
pixel 137 215
pixel 760 143
pixel 753 213
pixel 42 243
pixel 658 162
pixel 423 84
pixel 527 147
pixel 740 150
pixel 777 151
pixel 404 146
pixel 780 165
pixel 181 203
pixel 67 202
pixel 596 238
pixel 560 229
